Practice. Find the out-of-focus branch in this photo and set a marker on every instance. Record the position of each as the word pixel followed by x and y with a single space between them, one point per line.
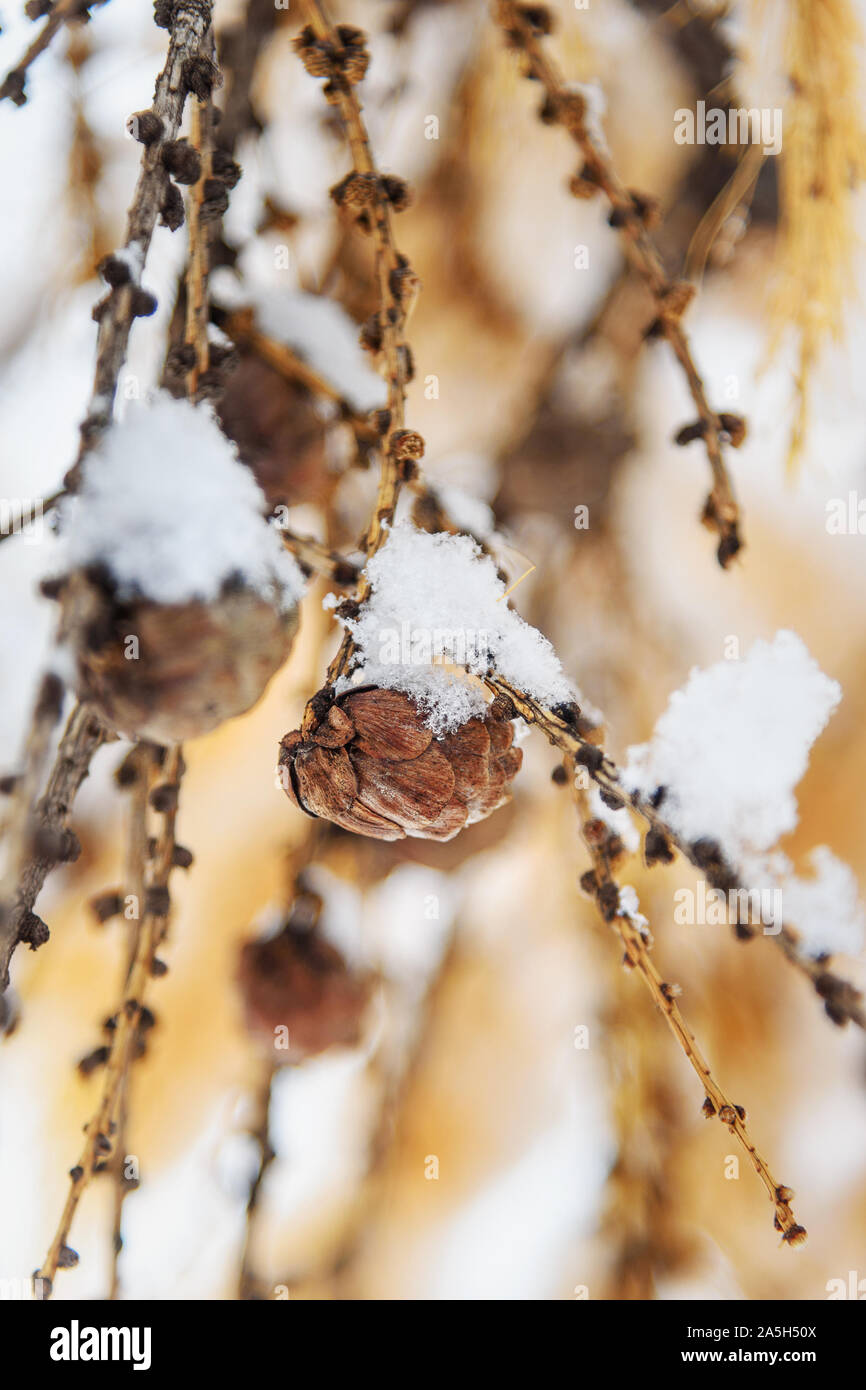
pixel 239 325
pixel 201 139
pixel 318 559
pixel 526 26
pixel 57 15
pixel 260 1130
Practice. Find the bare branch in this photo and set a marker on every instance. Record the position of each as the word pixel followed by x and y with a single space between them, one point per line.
pixel 82 736
pixel 260 1130
pixel 324 52
pixel 630 213
pixel 102 1124
pixel 62 12
pixel 188 68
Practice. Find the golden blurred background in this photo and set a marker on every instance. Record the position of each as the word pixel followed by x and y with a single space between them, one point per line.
pixel 469 1148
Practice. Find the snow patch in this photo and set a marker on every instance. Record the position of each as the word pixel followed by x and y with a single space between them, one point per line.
pixel 168 507
pixel 434 599
pixel 732 745
pixel 825 909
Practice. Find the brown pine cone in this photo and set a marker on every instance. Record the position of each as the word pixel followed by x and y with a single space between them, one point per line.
pixel 299 982
pixel 369 764
pixel 191 665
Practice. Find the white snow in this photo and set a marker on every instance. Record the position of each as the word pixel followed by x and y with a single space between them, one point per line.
pixel 596 109
pixel 430 591
pixel 825 909
pixel 167 505
pixel 732 745
pixel 629 906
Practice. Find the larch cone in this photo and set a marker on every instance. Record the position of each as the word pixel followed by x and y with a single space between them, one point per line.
pixel 370 764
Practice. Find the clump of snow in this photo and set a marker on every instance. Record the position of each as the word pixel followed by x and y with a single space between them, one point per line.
pixel 318 329
pixel 629 906
pixel 596 108
pixel 732 745
pixel 825 909
pixel 436 603
pixel 167 506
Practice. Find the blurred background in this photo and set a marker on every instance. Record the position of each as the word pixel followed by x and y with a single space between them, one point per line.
pixel 468 1148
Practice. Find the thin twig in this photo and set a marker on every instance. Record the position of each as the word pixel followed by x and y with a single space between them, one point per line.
pixel 239 325
pixel 188 67
pixel 317 558
pixel 18 823
pixel 61 13
pixel 732 196
pixel 82 736
pixel 636 944
pixel 398 446
pixel 101 1125
pixel 142 760
pixel 568 109
pixel 201 138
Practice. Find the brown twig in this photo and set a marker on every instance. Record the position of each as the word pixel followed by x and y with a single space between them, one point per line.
pixel 140 764
pixel 842 1002
pixel 92 232
pixel 324 50
pixel 82 736
pixel 526 26
pixel 316 558
pixel 647 1234
pixel 102 1124
pixel 201 139
pixel 61 13
pixel 188 68
pixel 239 325
pixel 18 826
pixel 636 945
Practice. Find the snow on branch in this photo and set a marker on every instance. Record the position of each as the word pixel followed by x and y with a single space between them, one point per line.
pixel 435 599
pixel 168 507
pixel 731 747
